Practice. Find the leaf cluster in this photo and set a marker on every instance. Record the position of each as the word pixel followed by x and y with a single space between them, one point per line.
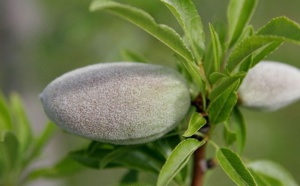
pixel 214 70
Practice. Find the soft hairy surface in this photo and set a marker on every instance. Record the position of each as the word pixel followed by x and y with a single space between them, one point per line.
pixel 270 86
pixel 120 103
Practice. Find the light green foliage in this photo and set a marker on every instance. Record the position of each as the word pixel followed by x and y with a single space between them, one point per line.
pixel 18 148
pixel 219 77
pixel 196 123
pixel 189 19
pixel 234 167
pixel 177 160
pixel 239 13
pixel 142 19
pixel 271 172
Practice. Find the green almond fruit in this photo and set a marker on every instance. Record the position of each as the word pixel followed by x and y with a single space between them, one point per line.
pixel 270 86
pixel 118 103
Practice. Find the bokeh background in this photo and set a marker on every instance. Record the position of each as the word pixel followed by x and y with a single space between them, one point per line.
pixel 42 39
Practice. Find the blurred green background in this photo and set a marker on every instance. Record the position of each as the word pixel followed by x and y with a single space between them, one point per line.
pixel 42 39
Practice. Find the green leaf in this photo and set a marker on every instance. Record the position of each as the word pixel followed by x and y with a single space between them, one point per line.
pixel 141 160
pixel 263 180
pixel 217 48
pixel 65 167
pixel 22 124
pixel 194 71
pixel 240 128
pixel 224 85
pixel 229 135
pixel 216 76
pixel 177 160
pixel 221 108
pixel 282 27
pixel 273 170
pixel 247 47
pixel 41 142
pixel 129 55
pixel 142 19
pixel 116 154
pixel 239 14
pixel 189 19
pixel 9 151
pixel 195 124
pixel 5 118
pixel 130 177
pixel 234 167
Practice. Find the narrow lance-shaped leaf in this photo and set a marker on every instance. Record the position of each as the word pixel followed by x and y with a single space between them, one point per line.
pixel 247 47
pixel 238 14
pixel 264 180
pixel 221 107
pixel 40 142
pixel 282 27
pixel 22 125
pixel 142 19
pixel 273 170
pixel 196 122
pixel 129 55
pixel 234 167
pixel 217 48
pixel 219 90
pixel 229 135
pixel 216 76
pixel 5 118
pixel 9 151
pixel 177 160
pixel 240 128
pixel 189 19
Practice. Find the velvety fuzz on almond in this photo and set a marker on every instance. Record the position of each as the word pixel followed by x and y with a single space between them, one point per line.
pixel 119 103
pixel 270 86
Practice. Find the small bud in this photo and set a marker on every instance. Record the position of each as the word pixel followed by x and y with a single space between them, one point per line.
pixel 119 103
pixel 270 86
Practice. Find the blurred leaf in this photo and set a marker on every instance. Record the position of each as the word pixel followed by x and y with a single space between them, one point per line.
pixel 165 146
pixel 136 184
pixel 229 135
pixel 129 55
pixel 9 151
pixel 216 76
pixel 141 161
pixel 116 154
pixel 5 118
pixel 86 160
pixel 273 170
pixel 177 160
pixel 282 27
pixel 221 108
pixel 234 167
pixel 195 124
pixel 240 128
pixel 263 180
pixel 239 14
pixel 142 19
pixel 41 142
pixel 217 48
pixel 189 19
pixel 22 125
pixel 248 46
pixel 130 177
pixel 65 167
